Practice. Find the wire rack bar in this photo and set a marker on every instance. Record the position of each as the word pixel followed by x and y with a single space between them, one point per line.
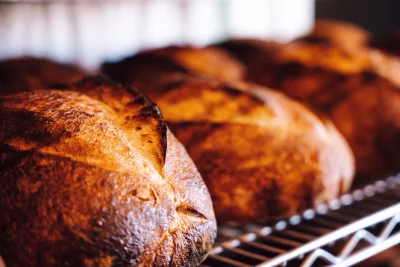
pixel 342 232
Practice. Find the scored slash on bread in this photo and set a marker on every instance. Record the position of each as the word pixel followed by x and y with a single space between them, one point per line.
pixel 261 154
pixel 91 176
pixel 138 114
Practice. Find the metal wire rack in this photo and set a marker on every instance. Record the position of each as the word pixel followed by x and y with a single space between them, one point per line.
pixel 342 232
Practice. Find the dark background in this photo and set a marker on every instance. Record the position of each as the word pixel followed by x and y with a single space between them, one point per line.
pixel 377 16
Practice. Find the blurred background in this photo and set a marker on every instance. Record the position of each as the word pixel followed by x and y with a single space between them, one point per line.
pixel 377 16
pixel 88 32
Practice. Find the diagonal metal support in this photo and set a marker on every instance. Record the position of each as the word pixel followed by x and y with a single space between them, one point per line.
pixel 335 220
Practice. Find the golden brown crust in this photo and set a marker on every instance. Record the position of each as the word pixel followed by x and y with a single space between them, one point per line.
pixel 350 88
pixel 97 179
pixel 335 58
pixel 340 33
pixel 161 62
pixel 249 50
pixel 260 154
pixel 206 61
pixel 29 73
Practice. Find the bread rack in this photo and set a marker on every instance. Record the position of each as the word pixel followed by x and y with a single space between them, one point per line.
pixel 341 233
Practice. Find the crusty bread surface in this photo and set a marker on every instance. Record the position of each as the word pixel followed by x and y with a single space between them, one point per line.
pixel 91 176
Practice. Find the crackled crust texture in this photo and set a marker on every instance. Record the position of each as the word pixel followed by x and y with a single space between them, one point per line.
pixel 95 178
pixel 29 73
pixel 359 91
pixel 261 155
pixel 151 65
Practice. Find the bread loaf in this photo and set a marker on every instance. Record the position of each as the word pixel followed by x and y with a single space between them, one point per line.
pixel 344 34
pixel 261 155
pixel 355 89
pixel 29 73
pixel 249 51
pixel 147 65
pixel 95 178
